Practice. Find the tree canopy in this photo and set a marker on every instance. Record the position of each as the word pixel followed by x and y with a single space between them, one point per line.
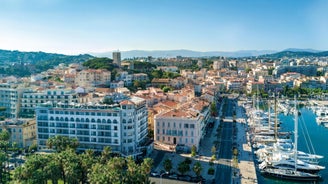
pixel 100 63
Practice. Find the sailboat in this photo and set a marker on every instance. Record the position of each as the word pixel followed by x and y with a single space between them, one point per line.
pixel 290 173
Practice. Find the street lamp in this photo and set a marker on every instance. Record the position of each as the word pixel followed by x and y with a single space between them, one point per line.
pixel 162 175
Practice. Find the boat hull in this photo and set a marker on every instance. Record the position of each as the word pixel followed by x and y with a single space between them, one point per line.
pixel 291 177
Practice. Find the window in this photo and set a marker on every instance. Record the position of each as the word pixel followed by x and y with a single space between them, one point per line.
pixel 192 140
pixel 186 140
pixel 163 132
pixel 163 138
pixel 163 124
pixel 186 125
pixel 173 124
pixel 158 131
pixel 192 126
pixel 169 139
pixel 192 133
pixel 186 133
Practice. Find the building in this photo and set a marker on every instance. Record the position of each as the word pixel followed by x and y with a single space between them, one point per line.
pixel 10 96
pixel 31 99
pixel 308 70
pixel 22 131
pixel 123 127
pixel 140 77
pixel 183 126
pixel 254 86
pixel 117 58
pixel 93 78
pixel 116 84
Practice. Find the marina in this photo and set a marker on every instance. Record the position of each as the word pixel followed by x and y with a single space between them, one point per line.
pixel 281 159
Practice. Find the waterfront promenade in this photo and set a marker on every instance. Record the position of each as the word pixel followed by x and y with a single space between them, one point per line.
pixel 245 173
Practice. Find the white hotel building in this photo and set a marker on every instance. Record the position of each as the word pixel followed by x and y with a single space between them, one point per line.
pixel 123 127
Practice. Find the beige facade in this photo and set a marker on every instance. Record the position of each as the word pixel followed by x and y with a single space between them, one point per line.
pixel 22 131
pixel 92 78
pixel 183 126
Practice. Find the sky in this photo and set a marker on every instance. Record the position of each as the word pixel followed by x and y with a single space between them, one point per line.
pixel 91 26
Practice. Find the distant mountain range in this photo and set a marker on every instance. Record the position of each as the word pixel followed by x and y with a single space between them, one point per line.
pixel 184 53
pixel 52 59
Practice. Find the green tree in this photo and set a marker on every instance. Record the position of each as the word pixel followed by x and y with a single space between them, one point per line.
pixel 193 150
pixel 156 74
pixel 52 170
pixel 167 165
pixel 166 89
pixel 108 101
pixel 62 142
pixel 100 63
pixel 33 170
pixel 183 167
pixel 105 155
pixel 33 147
pixel 86 161
pixel 213 109
pixel 4 145
pixel 197 168
pixel 69 164
pixel 213 150
pixel 270 70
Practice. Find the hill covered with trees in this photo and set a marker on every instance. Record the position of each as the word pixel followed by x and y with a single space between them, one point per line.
pixel 26 63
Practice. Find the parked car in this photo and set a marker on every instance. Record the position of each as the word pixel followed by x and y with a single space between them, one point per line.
pixel 154 173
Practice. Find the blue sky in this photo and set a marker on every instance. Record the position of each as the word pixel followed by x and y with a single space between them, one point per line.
pixel 83 26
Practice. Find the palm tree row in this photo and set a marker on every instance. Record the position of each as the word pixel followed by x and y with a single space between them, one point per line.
pixel 73 168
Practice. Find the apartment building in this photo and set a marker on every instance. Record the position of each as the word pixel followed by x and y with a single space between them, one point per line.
pixel 235 85
pixel 10 96
pixel 31 99
pixel 22 131
pixel 123 127
pixel 140 77
pixel 254 86
pixel 93 78
pixel 308 70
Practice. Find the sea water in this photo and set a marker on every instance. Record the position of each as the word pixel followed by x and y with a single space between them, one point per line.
pixel 319 138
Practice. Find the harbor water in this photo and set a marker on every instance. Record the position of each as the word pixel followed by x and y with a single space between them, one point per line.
pixel 319 138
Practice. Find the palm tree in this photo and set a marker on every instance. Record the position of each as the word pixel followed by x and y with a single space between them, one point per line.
pixel 167 165
pixel 146 168
pixel 86 162
pixel 105 154
pixel 197 168
pixel 98 174
pixel 183 167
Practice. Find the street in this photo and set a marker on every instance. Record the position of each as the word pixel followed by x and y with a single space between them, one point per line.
pixel 223 168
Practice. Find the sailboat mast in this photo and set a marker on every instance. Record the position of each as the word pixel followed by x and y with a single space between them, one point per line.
pixel 275 120
pixel 269 119
pixel 295 134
